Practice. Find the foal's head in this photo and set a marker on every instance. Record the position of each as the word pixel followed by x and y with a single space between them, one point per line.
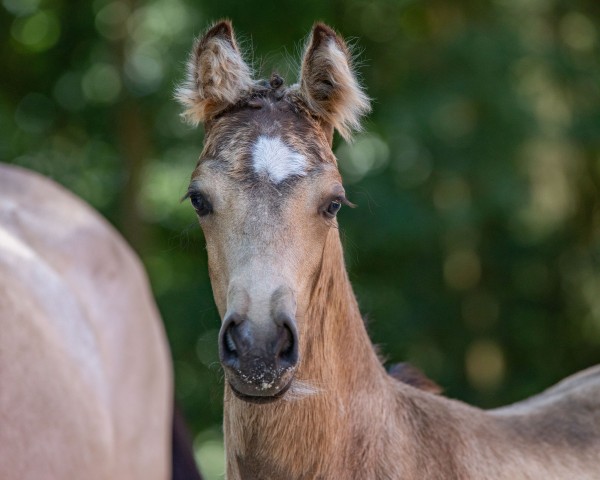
pixel 266 191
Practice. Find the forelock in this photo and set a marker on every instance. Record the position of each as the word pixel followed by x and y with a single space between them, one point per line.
pixel 278 114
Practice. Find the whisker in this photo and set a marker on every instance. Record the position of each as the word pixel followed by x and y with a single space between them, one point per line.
pixel 301 389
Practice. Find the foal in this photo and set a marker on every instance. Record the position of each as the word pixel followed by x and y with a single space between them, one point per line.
pixel 306 396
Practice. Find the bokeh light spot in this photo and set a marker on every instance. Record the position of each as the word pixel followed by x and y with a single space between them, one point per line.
pixel 577 31
pixel 368 154
pixel 37 32
pixel 462 269
pixel 551 167
pixel 21 7
pixel 158 20
pixel 144 68
pixel 485 365
pixel 110 20
pixel 164 183
pixel 101 83
pixel 209 451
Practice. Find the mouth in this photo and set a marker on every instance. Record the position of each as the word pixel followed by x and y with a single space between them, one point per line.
pixel 260 399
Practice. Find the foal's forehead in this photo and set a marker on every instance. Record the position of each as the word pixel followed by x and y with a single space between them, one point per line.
pixel 267 138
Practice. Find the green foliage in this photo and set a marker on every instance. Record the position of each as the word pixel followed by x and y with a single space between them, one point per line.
pixel 475 252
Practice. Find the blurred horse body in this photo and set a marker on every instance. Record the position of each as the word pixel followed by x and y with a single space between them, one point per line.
pixel 85 372
pixel 306 395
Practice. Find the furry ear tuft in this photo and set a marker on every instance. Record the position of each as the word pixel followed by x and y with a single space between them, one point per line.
pixel 217 75
pixel 328 83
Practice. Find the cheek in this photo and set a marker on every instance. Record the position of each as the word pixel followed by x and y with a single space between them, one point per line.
pixel 310 247
pixel 217 273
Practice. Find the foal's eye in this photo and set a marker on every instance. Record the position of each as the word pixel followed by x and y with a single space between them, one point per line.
pixel 333 208
pixel 201 204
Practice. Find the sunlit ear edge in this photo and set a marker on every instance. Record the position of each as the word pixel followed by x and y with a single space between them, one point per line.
pixel 217 75
pixel 329 84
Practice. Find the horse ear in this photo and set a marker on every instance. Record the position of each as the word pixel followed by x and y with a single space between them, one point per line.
pixel 328 83
pixel 217 75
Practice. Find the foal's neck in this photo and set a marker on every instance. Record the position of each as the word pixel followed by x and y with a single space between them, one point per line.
pixel 317 427
pixel 337 354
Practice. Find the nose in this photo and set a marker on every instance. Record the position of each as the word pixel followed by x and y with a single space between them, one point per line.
pixel 259 359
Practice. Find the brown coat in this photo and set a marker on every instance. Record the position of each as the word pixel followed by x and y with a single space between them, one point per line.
pixel 266 190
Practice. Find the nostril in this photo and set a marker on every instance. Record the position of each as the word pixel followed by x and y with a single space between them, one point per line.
pixel 229 343
pixel 243 343
pixel 285 342
pixel 287 345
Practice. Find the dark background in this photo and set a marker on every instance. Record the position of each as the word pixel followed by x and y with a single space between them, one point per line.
pixel 475 250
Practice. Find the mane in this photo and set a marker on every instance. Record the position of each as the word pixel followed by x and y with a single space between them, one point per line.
pixel 265 91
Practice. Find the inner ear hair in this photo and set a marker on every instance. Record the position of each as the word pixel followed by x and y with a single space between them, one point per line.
pixel 328 83
pixel 217 75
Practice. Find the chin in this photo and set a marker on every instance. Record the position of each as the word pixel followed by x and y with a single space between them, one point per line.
pixel 257 395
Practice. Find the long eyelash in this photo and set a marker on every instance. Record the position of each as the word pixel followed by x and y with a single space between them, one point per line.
pixel 186 196
pixel 347 202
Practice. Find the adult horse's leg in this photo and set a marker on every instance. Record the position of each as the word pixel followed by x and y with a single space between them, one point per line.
pixel 183 464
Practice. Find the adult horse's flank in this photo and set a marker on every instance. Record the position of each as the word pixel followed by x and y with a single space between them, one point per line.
pixel 85 374
pixel 306 396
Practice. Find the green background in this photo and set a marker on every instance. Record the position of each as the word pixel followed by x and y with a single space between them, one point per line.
pixel 475 250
